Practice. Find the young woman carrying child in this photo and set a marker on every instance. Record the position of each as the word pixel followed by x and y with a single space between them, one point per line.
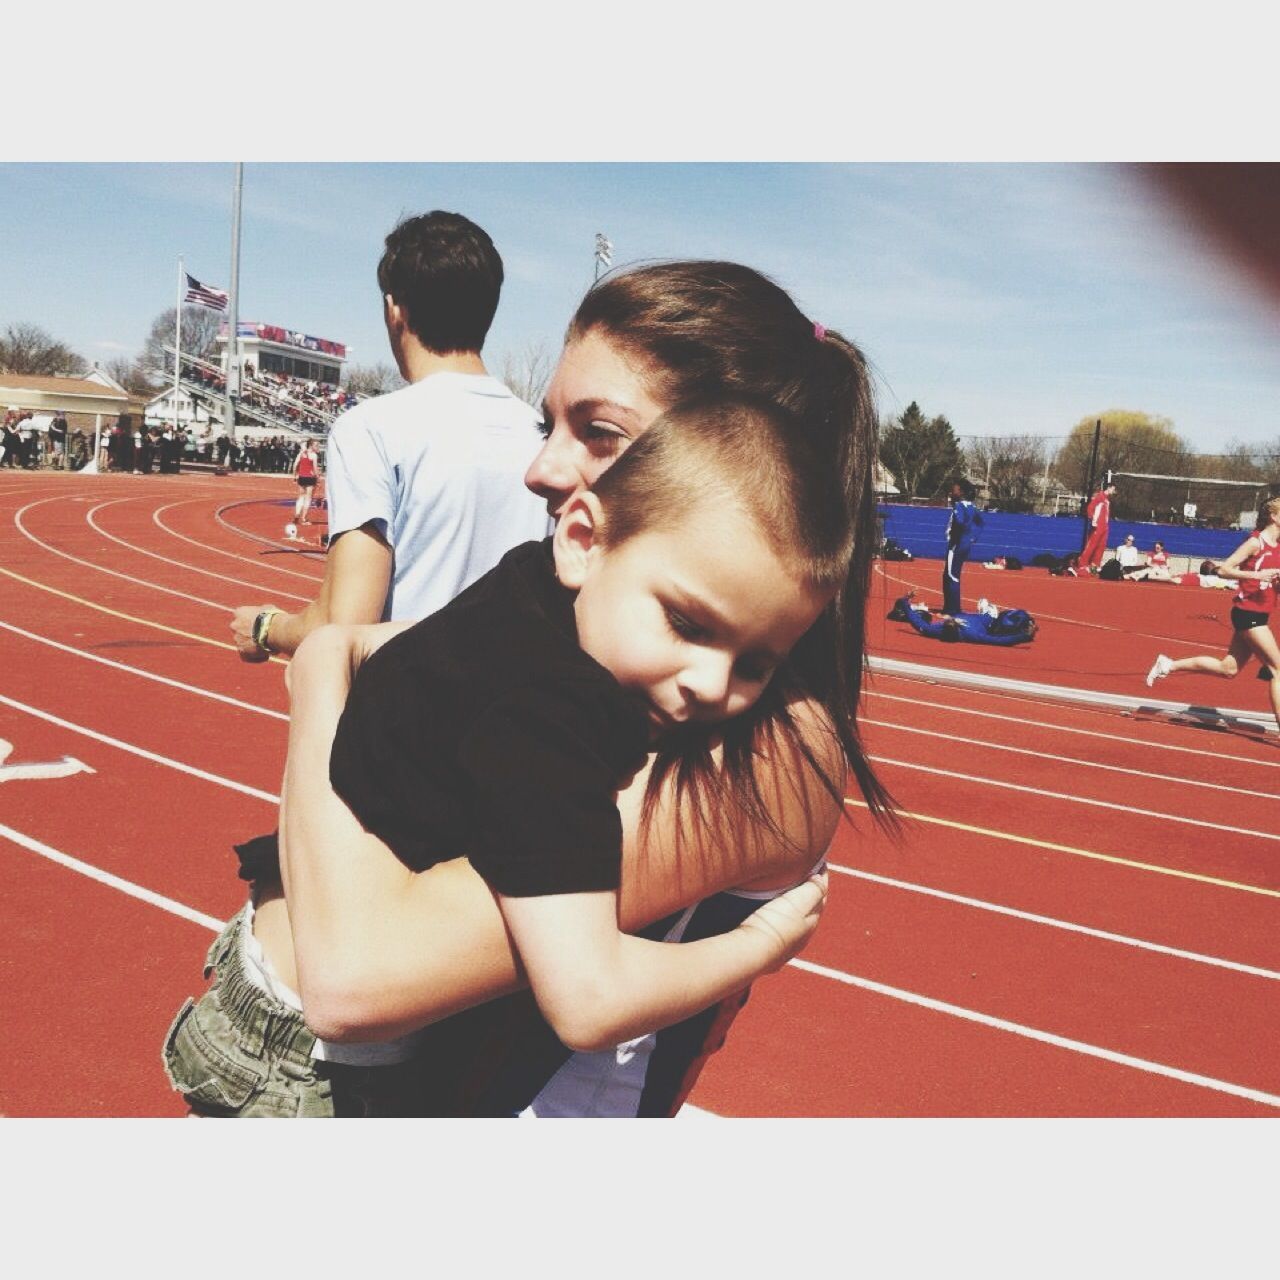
pixel 642 341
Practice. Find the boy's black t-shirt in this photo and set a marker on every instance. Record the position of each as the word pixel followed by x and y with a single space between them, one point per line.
pixel 484 731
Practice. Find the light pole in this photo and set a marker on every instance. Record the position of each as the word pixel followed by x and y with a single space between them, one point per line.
pixel 604 252
pixel 233 319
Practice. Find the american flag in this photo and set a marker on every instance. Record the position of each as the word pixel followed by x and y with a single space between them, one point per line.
pixel 205 295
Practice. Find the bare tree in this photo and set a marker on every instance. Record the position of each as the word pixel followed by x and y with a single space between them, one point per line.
pixel 27 348
pixel 371 379
pixel 132 377
pixel 199 338
pixel 528 372
pixel 1011 468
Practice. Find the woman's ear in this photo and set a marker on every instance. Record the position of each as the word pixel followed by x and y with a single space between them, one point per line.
pixel 576 543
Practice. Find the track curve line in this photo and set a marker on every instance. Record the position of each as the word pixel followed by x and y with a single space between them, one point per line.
pixel 114 573
pixel 177 564
pixel 127 617
pixel 222 551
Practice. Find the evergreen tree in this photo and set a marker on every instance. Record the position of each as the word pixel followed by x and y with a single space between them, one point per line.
pixel 922 453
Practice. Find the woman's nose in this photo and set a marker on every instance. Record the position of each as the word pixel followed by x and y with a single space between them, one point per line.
pixel 551 474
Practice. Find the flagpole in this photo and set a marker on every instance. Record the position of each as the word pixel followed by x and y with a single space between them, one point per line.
pixel 177 338
pixel 233 326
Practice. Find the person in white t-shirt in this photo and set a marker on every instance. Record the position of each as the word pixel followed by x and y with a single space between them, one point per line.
pixel 426 494
pixel 1128 555
pixel 425 485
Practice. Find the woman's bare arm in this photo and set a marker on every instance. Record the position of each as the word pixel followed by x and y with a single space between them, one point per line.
pixel 381 950
pixel 1229 568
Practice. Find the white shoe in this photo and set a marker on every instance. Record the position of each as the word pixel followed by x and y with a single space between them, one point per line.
pixel 1159 669
pixel 985 606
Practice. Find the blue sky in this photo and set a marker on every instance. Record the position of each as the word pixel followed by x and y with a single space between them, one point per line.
pixel 1010 297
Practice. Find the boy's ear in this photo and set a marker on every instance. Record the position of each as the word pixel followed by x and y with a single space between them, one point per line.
pixel 576 542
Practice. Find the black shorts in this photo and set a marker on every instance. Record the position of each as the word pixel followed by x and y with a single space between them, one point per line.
pixel 306 482
pixel 1245 619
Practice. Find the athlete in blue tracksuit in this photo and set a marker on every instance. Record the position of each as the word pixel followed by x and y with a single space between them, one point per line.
pixel 962 533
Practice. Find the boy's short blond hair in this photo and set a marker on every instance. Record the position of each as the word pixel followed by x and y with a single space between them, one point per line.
pixel 738 450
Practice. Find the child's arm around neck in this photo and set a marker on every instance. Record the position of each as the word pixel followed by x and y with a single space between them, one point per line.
pixel 597 986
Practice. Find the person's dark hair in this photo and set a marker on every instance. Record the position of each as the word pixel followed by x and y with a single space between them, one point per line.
pixel 966 488
pixel 706 328
pixel 444 273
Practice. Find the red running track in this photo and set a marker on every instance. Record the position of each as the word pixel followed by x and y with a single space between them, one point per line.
pixel 1080 918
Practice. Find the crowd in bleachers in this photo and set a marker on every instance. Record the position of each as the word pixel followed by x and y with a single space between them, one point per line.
pixel 322 396
pixel 297 403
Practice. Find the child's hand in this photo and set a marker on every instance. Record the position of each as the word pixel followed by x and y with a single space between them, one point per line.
pixel 788 921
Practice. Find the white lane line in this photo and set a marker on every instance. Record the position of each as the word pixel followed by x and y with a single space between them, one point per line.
pixel 145 675
pixel 895 993
pixel 178 564
pixel 112 881
pixel 1063 728
pixel 1087 764
pixel 312 556
pixel 1053 923
pixel 257 564
pixel 1044 1037
pixel 1058 795
pixel 167 761
pixel 1093 855
pixel 88 564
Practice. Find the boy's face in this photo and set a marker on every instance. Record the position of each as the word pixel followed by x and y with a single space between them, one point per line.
pixel 692 619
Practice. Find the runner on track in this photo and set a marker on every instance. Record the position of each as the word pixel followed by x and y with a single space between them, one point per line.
pixel 306 471
pixel 1255 564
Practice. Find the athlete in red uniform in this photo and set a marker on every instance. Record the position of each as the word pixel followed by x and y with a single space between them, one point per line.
pixel 1255 564
pixel 1098 513
pixel 306 473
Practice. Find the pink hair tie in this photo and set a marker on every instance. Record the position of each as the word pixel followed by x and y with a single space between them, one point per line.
pixel 819 331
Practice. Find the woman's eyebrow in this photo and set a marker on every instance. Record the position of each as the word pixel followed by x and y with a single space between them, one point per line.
pixel 595 405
